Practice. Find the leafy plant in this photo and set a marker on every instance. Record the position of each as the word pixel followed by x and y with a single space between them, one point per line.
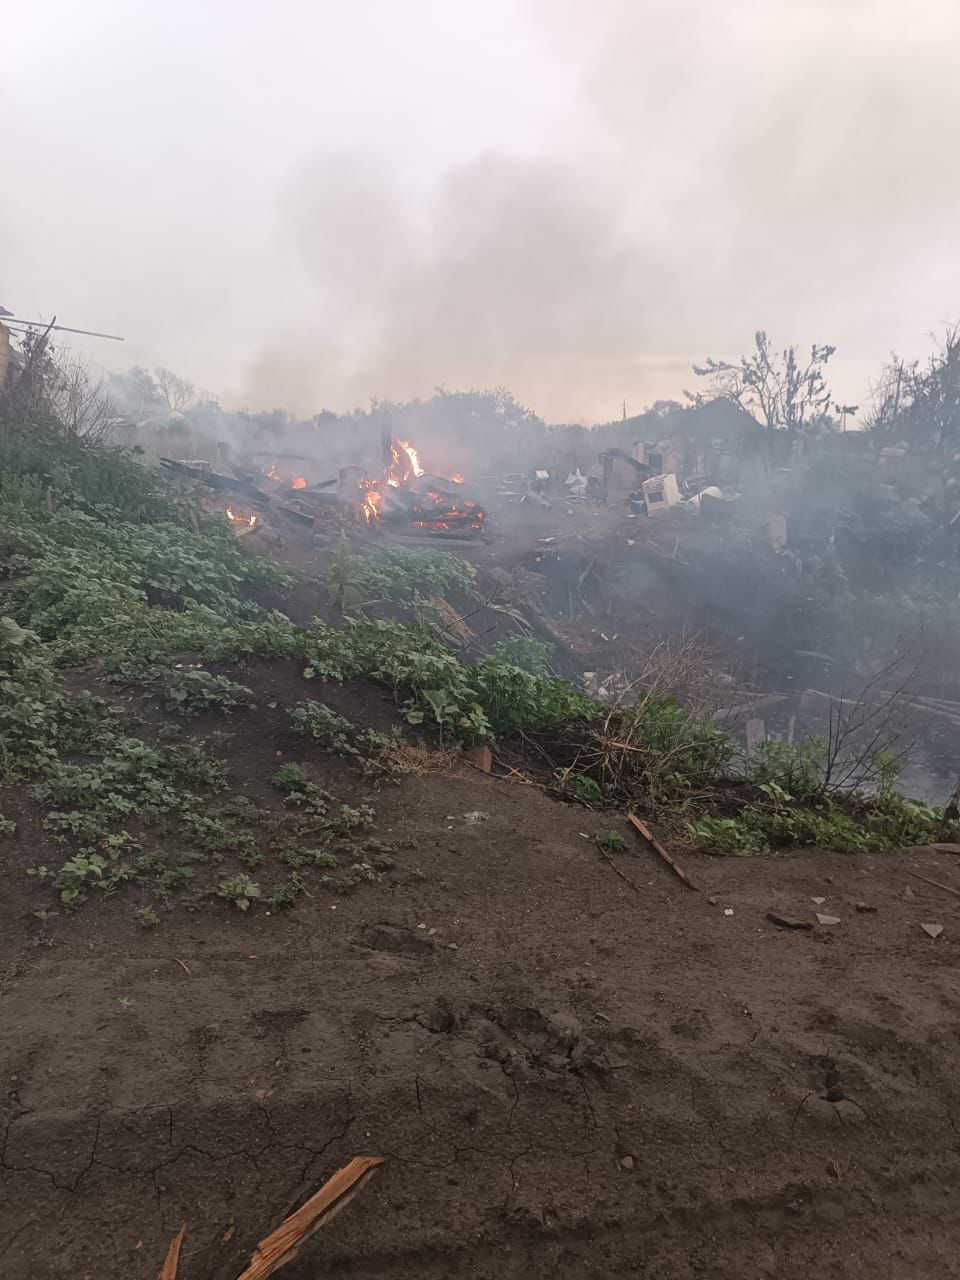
pixel 285 894
pixel 240 890
pixel 189 691
pixel 582 788
pixel 532 656
pixel 327 728
pixel 611 842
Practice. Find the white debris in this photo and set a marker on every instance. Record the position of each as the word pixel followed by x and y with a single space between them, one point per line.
pixel 932 930
pixel 827 919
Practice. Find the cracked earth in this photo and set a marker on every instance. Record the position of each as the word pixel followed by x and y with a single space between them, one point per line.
pixel 565 1078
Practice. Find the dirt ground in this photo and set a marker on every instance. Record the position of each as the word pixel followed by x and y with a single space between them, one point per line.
pixel 567 1074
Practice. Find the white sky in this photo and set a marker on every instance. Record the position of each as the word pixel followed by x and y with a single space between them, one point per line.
pixel 313 204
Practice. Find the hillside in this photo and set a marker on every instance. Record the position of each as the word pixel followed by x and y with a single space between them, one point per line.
pixel 261 915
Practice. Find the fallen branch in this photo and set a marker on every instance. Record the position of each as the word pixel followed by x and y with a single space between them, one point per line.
pixel 936 884
pixel 625 878
pixel 283 1245
pixel 659 849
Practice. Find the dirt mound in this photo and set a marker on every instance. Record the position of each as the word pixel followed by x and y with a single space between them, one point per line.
pixel 565 1076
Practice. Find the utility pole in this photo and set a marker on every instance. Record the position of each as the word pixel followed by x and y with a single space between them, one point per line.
pixel 844 411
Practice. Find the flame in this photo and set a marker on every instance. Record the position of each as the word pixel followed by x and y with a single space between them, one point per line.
pixel 404 463
pixel 369 507
pixel 238 519
pixel 412 454
pixel 298 482
pixel 273 473
pixel 457 478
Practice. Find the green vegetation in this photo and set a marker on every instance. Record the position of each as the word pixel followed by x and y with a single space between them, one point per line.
pixel 532 656
pixel 402 577
pixel 105 566
pixel 468 702
pixel 611 842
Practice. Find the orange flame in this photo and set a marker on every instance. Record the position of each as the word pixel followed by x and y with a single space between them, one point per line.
pixel 412 454
pixel 273 473
pixel 369 507
pixel 457 478
pixel 298 482
pixel 234 518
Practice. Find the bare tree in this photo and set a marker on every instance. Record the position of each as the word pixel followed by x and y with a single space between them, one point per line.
pixel 921 405
pixel 782 392
pixel 177 392
pixel 54 384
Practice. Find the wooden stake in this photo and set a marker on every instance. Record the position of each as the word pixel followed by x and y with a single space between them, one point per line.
pixel 659 849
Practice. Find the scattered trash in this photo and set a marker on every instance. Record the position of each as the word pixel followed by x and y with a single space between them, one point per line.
pixel 728 911
pixel 932 930
pixel 865 906
pixel 787 922
pixel 822 919
pixel 818 901
pixel 475 816
pixel 283 1245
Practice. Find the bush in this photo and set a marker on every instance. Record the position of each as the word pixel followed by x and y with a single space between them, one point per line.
pixel 798 770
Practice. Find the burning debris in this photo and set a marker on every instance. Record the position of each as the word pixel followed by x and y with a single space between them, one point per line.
pixel 408 498
pixel 238 518
pixel 403 498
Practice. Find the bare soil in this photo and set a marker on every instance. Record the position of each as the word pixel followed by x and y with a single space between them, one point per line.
pixel 567 1074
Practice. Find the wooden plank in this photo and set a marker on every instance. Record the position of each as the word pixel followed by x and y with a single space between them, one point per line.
pixel 283 1245
pixel 169 1269
pixel 756 733
pixel 658 848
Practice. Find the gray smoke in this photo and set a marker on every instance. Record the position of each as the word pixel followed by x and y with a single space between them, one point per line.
pixel 573 198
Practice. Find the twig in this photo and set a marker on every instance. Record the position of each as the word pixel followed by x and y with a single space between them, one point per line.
pixel 182 966
pixel 936 883
pixel 626 879
pixel 659 849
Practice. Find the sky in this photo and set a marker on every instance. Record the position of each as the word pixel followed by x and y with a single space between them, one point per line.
pixel 316 203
